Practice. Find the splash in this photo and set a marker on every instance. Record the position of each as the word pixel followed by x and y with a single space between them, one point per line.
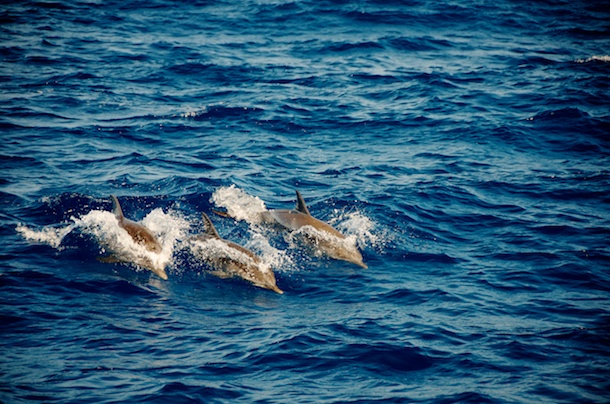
pixel 270 256
pixel 194 113
pixel 52 236
pixel 359 228
pixel 170 228
pixel 239 204
pixel 595 58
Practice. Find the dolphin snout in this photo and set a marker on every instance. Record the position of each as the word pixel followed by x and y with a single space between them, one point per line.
pixel 276 289
pixel 160 273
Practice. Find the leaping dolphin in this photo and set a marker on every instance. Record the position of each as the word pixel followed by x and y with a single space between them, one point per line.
pixel 325 237
pixel 140 235
pixel 319 234
pixel 235 260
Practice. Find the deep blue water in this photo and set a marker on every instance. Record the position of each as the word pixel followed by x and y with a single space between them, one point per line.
pixel 464 146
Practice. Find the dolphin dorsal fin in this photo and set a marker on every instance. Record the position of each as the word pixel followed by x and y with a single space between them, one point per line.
pixel 209 226
pixel 116 208
pixel 301 207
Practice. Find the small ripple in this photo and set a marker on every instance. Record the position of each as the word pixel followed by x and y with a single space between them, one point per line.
pixel 384 358
pixel 177 392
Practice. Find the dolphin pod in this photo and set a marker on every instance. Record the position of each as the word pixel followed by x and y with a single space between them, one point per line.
pixel 231 259
pixel 235 260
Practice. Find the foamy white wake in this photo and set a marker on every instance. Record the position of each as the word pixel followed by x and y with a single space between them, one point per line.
pixel 270 256
pixel 359 228
pixel 595 58
pixel 239 204
pixel 52 236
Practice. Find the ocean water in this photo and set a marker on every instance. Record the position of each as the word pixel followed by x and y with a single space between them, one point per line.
pixel 463 146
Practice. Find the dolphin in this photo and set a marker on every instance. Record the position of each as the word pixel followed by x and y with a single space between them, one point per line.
pixel 235 260
pixel 328 240
pixel 325 237
pixel 140 235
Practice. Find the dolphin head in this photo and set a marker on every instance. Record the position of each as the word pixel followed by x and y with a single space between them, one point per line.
pixel 347 253
pixel 337 248
pixel 250 271
pixel 264 279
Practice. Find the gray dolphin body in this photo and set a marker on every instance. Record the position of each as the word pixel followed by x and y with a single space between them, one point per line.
pixel 140 235
pixel 326 238
pixel 236 260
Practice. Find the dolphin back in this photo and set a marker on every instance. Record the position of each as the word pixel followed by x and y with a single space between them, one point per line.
pixel 116 208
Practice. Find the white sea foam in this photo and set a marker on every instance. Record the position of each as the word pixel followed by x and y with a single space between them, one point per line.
pixel 595 58
pixel 270 256
pixel 358 228
pixel 52 236
pixel 239 204
pixel 170 228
